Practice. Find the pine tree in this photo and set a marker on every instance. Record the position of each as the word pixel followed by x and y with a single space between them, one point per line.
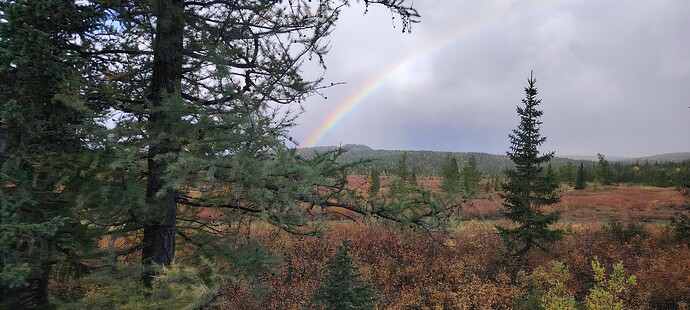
pixel 42 154
pixel 567 174
pixel 528 188
pixel 604 173
pixel 580 183
pixel 342 288
pixel 681 220
pixel 404 170
pixel 204 93
pixel 450 175
pixel 471 177
pixel 373 183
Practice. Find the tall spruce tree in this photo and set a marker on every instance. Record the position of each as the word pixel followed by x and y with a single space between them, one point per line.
pixel 342 288
pixel 567 173
pixel 604 173
pixel 580 182
pixel 202 94
pixel 450 175
pixel 404 170
pixel 471 177
pixel 42 145
pixel 681 220
pixel 373 183
pixel 528 187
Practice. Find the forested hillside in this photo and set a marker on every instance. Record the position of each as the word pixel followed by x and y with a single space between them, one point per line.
pixel 425 163
pixel 657 170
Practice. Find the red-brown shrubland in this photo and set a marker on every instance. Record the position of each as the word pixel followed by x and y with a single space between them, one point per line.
pixel 463 267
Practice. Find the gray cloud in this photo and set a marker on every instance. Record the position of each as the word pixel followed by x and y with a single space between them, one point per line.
pixel 614 76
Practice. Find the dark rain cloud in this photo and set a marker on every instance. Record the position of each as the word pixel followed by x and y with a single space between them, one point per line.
pixel 614 76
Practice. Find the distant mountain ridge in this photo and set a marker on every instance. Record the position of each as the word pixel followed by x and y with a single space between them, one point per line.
pixel 430 162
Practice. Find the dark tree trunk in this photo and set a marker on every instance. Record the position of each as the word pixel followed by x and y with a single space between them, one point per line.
pixel 159 233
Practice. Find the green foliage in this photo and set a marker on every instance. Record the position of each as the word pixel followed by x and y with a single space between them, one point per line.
pixel 201 147
pixel 528 187
pixel 567 174
pixel 609 293
pixel 626 232
pixel 450 175
pixel 682 180
pixel 405 171
pixel 657 173
pixel 413 206
pixel 546 288
pixel 681 227
pixel 373 183
pixel 580 183
pixel 43 156
pixel 175 287
pixel 681 221
pixel 604 173
pixel 342 289
pixel 471 177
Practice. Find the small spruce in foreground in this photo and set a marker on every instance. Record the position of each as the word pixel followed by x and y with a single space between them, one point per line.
pixel 342 288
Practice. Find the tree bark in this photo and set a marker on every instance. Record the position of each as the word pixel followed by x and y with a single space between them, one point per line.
pixel 159 232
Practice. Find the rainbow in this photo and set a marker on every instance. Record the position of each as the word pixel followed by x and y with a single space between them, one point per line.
pixel 378 81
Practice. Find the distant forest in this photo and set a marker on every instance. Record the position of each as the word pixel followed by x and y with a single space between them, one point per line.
pixel 659 170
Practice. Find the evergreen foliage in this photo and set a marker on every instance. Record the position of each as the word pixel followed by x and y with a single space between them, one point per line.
pixel 373 183
pixel 580 183
pixel 681 220
pixel 43 157
pixel 342 289
pixel 528 188
pixel 175 287
pixel 471 177
pixel 604 173
pixel 404 170
pixel 626 232
pixel 567 174
pixel 201 94
pixel 204 93
pixel 428 163
pixel 681 226
pixel 450 175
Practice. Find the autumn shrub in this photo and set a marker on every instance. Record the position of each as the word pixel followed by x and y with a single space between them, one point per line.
pixel 545 288
pixel 664 277
pixel 609 292
pixel 681 226
pixel 626 232
pixel 120 287
pixel 463 268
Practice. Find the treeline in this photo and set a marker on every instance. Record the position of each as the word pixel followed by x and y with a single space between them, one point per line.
pixel 660 174
pixel 424 163
pixel 430 163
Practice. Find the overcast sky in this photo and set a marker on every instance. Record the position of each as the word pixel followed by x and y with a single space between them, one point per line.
pixel 613 76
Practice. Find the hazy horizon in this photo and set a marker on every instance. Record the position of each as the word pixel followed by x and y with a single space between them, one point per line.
pixel 557 154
